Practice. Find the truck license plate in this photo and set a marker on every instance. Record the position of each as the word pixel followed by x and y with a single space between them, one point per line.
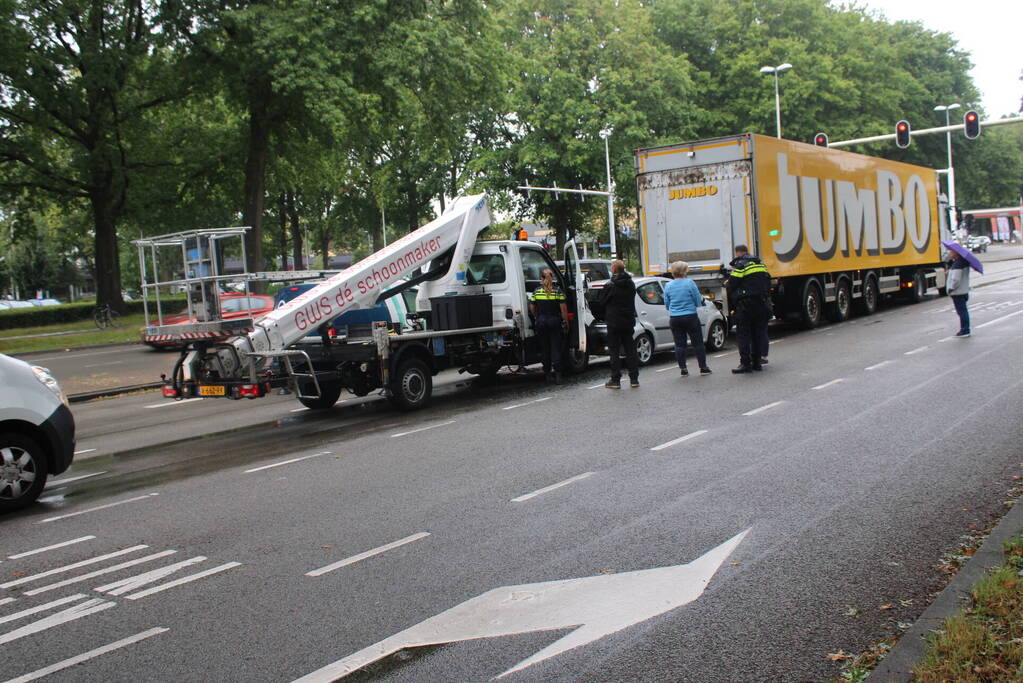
pixel 212 391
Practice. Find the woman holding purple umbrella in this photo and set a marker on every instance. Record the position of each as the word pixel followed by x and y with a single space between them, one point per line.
pixel 958 286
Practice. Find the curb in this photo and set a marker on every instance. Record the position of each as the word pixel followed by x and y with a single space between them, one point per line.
pixel 898 665
pixel 116 391
pixel 71 349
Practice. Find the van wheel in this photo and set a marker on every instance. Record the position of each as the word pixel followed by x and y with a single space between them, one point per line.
pixel 644 348
pixel 329 394
pixel 867 303
pixel 716 336
pixel 575 362
pixel 411 385
pixel 839 311
pixel 812 305
pixel 22 471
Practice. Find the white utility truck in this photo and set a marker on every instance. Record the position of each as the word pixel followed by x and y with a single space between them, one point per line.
pixel 836 230
pixel 472 313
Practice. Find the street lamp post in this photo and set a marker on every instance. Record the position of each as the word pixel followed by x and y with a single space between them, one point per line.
pixel 948 141
pixel 777 99
pixel 606 133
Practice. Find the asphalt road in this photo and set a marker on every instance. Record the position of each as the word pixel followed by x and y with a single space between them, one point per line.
pixel 837 478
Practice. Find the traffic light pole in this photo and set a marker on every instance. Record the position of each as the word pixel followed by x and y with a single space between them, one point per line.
pixel 951 170
pixel 925 131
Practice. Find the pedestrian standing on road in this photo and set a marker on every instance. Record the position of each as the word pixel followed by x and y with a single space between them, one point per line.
pixel 618 298
pixel 749 296
pixel 550 314
pixel 682 298
pixel 958 287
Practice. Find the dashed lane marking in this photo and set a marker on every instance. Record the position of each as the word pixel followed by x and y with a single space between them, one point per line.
pixel 100 572
pixel 98 507
pixel 596 386
pixel 916 351
pixel 422 429
pixel 62 544
pixel 552 487
pixel 829 384
pixel 87 450
pixel 666 369
pixel 368 554
pixel 183 580
pixel 879 365
pixel 687 437
pixel 998 320
pixel 286 462
pixel 763 408
pixel 86 656
pixel 4 601
pixel 527 403
pixel 41 608
pixel 722 355
pixel 60 481
pixel 72 567
pixel 172 403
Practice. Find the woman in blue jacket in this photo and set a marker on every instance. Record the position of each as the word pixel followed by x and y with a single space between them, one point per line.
pixel 682 297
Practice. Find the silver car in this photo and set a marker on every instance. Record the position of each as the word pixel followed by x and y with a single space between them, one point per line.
pixel 653 326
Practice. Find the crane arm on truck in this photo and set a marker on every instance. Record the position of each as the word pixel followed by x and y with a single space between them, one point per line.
pixel 448 239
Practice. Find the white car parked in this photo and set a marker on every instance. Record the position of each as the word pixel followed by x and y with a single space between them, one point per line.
pixel 37 431
pixel 653 326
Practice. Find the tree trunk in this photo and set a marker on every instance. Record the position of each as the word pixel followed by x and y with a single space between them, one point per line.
pixel 260 94
pixel 297 246
pixel 377 232
pixel 108 264
pixel 282 237
pixel 324 235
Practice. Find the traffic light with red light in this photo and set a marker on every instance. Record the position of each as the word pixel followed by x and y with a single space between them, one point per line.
pixel 820 139
pixel 902 134
pixel 971 124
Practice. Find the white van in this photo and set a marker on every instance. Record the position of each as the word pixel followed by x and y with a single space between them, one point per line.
pixel 37 432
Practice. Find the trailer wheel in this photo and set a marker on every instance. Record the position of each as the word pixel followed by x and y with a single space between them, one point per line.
pixel 839 311
pixel 22 471
pixel 811 304
pixel 716 336
pixel 916 292
pixel 329 394
pixel 644 348
pixel 868 302
pixel 411 385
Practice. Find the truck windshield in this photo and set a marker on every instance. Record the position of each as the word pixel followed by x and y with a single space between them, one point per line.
pixel 485 269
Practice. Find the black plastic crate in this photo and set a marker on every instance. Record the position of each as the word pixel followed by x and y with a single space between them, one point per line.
pixel 461 312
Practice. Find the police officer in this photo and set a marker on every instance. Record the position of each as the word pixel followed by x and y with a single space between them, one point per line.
pixel 749 295
pixel 549 308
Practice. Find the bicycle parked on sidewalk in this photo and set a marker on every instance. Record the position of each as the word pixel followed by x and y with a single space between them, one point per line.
pixel 105 316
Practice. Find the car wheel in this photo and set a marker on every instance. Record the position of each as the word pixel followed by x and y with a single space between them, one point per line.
pixel 329 394
pixel 716 336
pixel 22 471
pixel 411 385
pixel 644 348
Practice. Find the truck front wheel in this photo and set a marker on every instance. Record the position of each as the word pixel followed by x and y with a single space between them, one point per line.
pixel 812 305
pixel 329 394
pixel 411 385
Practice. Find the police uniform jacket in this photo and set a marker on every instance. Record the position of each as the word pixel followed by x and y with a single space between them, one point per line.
pixel 749 279
pixel 548 304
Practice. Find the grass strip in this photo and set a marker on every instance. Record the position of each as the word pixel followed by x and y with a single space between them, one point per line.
pixel 983 643
pixel 87 333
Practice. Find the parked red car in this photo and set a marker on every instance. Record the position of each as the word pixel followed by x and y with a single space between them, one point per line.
pixel 232 307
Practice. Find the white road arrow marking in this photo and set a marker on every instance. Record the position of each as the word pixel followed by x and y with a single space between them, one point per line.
pixel 595 606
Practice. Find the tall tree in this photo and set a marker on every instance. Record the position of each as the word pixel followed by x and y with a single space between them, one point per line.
pixel 74 76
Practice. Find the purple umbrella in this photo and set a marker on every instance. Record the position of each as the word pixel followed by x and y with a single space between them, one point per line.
pixel 966 254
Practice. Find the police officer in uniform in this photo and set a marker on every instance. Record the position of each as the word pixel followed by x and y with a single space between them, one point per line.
pixel 749 296
pixel 549 308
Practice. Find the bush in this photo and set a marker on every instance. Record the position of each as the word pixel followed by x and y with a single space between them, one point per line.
pixel 69 313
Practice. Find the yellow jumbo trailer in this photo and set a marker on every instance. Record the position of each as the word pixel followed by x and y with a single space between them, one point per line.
pixel 836 230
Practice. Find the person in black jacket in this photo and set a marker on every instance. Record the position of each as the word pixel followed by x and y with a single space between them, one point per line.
pixel 618 298
pixel 749 294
